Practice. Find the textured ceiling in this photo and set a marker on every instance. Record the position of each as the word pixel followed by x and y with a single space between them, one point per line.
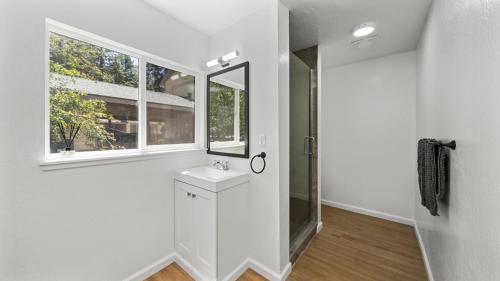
pixel 208 16
pixel 329 23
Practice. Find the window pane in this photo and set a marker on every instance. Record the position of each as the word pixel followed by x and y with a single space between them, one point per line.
pixel 93 96
pixel 170 106
pixel 221 112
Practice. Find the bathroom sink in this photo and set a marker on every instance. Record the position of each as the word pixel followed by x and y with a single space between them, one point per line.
pixel 211 179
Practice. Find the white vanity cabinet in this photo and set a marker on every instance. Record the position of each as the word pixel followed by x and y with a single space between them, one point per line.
pixel 211 220
pixel 195 227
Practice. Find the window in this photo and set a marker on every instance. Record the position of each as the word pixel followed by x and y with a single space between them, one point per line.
pixel 95 96
pixel 170 106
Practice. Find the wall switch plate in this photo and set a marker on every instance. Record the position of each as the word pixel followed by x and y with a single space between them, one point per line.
pixel 262 140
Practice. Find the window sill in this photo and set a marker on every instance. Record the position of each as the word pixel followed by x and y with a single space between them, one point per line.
pixel 84 161
pixel 227 144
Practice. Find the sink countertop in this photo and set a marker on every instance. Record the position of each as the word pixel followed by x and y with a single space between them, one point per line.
pixel 212 179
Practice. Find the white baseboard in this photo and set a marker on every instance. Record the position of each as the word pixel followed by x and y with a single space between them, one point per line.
pixel 268 273
pixel 319 227
pixel 196 275
pixel 286 271
pixel 424 253
pixel 162 263
pixel 368 212
pixel 151 269
pixel 190 269
pixel 237 272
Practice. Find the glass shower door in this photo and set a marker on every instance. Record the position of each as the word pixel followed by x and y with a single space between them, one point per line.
pixel 301 143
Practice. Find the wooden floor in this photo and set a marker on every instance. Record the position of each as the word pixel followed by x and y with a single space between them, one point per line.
pixel 174 272
pixel 351 247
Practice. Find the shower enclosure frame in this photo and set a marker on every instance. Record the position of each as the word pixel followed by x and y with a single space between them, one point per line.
pixel 301 236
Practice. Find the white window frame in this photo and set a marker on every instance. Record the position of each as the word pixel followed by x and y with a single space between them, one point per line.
pixel 144 57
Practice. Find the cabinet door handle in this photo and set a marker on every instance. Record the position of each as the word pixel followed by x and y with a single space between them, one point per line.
pixel 193 195
pixel 189 194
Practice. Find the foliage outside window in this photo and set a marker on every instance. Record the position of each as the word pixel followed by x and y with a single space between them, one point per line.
pixel 90 87
pixel 170 106
pixel 94 94
pixel 225 115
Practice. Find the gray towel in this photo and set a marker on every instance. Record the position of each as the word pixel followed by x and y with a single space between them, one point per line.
pixel 442 171
pixel 432 173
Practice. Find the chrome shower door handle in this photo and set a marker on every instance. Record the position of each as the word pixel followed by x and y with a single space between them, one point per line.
pixel 313 146
pixel 307 145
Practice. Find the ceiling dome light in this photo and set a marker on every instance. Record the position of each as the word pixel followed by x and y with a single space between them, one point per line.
pixel 363 29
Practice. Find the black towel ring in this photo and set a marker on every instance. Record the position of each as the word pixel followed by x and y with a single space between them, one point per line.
pixel 260 155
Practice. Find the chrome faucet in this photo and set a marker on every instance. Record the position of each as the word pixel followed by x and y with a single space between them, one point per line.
pixel 220 165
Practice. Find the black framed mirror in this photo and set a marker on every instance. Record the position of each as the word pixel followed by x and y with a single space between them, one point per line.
pixel 228 127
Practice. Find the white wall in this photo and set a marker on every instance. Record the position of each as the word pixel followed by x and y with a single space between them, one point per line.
pixel 368 137
pixel 93 223
pixel 256 37
pixel 284 131
pixel 459 98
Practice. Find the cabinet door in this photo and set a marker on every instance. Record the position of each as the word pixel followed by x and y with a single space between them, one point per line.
pixel 205 210
pixel 184 221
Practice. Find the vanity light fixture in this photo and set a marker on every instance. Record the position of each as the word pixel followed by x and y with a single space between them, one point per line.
pixel 363 29
pixel 230 56
pixel 212 63
pixel 224 60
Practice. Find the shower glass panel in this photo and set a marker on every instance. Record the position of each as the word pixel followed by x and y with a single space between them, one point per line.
pixel 301 152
